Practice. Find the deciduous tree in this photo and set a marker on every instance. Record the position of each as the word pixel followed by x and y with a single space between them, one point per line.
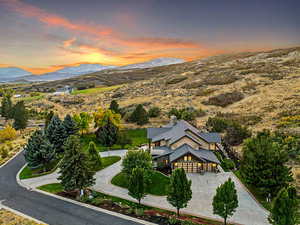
pixel 180 192
pixel 137 184
pixel 83 121
pixel 136 159
pixel 225 201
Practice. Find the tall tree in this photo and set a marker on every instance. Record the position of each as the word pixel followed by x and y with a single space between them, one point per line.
pixel 6 109
pixel 180 192
pixel 264 164
pixel 108 124
pixel 137 184
pixel 83 121
pixel 20 116
pixel 48 118
pixel 136 159
pixel 75 173
pixel 38 151
pixel 225 201
pixel 114 106
pixel 139 115
pixel 70 125
pixel 285 207
pixel 94 156
pixel 56 133
pixel 123 139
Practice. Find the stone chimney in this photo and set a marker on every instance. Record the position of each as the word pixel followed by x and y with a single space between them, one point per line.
pixel 173 120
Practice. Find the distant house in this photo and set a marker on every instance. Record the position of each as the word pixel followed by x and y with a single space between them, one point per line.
pixel 181 145
pixel 62 91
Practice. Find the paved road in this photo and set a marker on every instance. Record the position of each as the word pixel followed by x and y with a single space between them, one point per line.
pixel 46 208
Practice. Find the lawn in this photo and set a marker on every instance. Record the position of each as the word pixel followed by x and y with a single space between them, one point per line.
pixel 107 161
pixel 138 137
pixel 27 173
pixel 254 191
pixel 52 188
pixel 95 90
pixel 158 183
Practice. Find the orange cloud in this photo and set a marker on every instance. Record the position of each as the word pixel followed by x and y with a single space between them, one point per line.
pixel 68 43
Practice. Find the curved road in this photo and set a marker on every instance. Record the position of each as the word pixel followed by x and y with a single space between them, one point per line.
pixel 46 208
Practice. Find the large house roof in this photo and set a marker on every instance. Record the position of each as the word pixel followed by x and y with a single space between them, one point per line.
pixel 174 131
pixel 203 154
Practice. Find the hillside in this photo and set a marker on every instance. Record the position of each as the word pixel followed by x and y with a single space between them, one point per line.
pixel 256 88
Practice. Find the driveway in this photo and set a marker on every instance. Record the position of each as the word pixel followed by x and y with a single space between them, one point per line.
pixel 204 186
pixel 46 208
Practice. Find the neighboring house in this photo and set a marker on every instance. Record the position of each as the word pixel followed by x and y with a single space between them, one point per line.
pixel 62 91
pixel 181 145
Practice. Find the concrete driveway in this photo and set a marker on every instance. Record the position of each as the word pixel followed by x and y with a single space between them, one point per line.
pixel 204 186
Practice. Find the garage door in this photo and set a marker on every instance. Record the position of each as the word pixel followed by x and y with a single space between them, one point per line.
pixel 189 167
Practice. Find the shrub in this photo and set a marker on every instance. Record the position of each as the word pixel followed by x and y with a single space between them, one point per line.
pixel 204 91
pixel 8 134
pixel 176 80
pixel 139 115
pixel 235 134
pixel 227 164
pixel 195 84
pixel 225 99
pixel 154 112
pixel 188 113
pixel 136 159
pixel 216 124
pixel 4 152
pixel 219 79
pixel 33 94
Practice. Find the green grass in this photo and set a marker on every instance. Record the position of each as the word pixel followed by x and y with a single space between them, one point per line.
pixel 259 197
pixel 158 183
pixel 27 173
pixel 138 137
pixel 32 98
pixel 107 161
pixel 52 188
pixel 95 90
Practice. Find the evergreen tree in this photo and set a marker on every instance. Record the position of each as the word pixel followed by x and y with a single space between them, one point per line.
pixel 264 164
pixel 180 192
pixel 139 115
pixel 70 125
pixel 56 133
pixel 48 118
pixel 6 105
pixel 75 173
pixel 94 157
pixel 225 201
pixel 137 184
pixel 20 116
pixel 38 151
pixel 284 208
pixel 107 135
pixel 114 106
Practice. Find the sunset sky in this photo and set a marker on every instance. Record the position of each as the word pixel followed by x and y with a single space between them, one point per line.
pixel 45 35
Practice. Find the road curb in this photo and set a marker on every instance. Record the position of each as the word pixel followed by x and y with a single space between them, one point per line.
pixel 11 159
pixel 22 214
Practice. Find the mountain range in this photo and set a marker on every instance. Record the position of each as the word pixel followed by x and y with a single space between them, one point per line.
pixel 13 74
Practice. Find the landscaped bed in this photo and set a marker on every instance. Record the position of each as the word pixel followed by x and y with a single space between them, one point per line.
pixel 158 183
pixel 126 207
pixel 27 173
pixel 138 137
pixel 10 218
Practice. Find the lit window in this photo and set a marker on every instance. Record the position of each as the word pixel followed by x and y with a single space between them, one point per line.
pixel 185 158
pixel 189 158
pixel 176 164
pixel 199 164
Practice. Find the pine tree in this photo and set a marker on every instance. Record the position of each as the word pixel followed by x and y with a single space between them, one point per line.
pixel 20 116
pixel 6 105
pixel 139 115
pixel 94 157
pixel 56 133
pixel 75 173
pixel 70 125
pixel 225 201
pixel 48 118
pixel 284 208
pixel 180 192
pixel 38 151
pixel 137 184
pixel 264 164
pixel 107 135
pixel 114 106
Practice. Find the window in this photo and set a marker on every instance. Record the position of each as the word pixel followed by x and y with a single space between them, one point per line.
pixel 189 158
pixel 199 164
pixel 175 164
pixel 185 158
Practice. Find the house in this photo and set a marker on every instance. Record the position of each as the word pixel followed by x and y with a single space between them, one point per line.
pixel 181 145
pixel 62 91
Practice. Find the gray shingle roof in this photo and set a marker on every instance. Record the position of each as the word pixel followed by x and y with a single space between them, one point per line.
pixel 173 132
pixel 203 154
